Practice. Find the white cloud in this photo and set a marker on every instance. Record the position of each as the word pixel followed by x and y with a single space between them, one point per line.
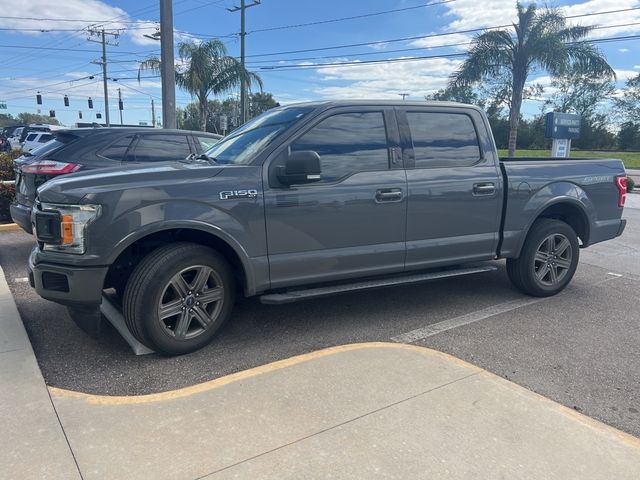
pixel 621 18
pixel 387 80
pixel 443 40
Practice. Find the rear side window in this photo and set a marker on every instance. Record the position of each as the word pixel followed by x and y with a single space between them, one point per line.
pixel 31 137
pixel 45 138
pixel 347 143
pixel 443 139
pixel 118 149
pixel 160 148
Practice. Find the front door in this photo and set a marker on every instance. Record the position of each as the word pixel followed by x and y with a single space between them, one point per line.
pixel 454 183
pixel 351 223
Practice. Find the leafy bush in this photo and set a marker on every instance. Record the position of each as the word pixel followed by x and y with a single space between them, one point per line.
pixel 630 184
pixel 7 192
pixel 6 165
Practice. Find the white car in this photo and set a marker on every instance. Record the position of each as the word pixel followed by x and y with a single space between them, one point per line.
pixel 35 140
pixel 14 139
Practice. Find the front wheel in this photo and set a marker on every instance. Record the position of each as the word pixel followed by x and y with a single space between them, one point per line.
pixel 548 260
pixel 178 297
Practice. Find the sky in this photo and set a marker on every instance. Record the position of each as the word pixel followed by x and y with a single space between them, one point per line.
pixel 281 47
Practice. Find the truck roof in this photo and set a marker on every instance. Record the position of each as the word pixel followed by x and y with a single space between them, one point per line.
pixel 386 103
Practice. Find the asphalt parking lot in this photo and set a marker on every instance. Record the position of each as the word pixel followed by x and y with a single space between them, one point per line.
pixel 579 348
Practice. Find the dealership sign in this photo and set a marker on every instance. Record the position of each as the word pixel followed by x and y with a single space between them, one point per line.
pixel 562 125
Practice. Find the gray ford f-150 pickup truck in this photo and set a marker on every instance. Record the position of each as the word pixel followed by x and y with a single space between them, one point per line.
pixel 310 200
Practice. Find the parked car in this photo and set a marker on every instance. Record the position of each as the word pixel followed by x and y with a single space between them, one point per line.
pixel 35 140
pixel 83 149
pixel 311 200
pixel 14 139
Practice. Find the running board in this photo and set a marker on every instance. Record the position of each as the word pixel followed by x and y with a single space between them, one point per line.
pixel 306 294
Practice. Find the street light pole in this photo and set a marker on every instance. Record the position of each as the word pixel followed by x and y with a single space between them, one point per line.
pixel 167 68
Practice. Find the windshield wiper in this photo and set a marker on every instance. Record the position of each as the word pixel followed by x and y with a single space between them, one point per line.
pixel 203 156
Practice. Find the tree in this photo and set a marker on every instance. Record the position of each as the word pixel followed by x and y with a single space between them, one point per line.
pixel 205 69
pixel 456 93
pixel 260 102
pixel 628 106
pixel 579 92
pixel 25 118
pixel 628 137
pixel 542 40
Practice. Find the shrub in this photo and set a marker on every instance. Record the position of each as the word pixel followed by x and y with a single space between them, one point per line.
pixel 630 184
pixel 6 165
pixel 7 192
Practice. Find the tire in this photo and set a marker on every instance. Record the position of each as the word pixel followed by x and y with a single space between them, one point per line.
pixel 548 259
pixel 178 297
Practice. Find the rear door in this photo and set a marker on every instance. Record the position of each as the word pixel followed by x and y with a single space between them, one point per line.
pixel 453 211
pixel 352 222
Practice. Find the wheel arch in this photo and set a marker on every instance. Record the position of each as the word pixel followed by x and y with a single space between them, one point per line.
pixel 568 210
pixel 135 247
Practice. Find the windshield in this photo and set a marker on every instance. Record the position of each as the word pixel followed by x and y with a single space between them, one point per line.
pixel 241 146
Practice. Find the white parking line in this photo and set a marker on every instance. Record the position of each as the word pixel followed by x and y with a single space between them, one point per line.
pixel 434 329
pixel 429 330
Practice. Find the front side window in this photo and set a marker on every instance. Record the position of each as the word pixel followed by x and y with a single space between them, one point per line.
pixel 118 149
pixel 31 137
pixel 161 148
pixel 347 143
pixel 44 138
pixel 443 139
pixel 206 142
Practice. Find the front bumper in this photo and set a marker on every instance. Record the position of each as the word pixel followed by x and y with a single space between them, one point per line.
pixel 21 214
pixel 67 285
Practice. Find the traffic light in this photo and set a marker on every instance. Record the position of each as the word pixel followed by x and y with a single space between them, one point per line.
pixel 66 101
pixel 90 102
pixel 79 114
pixel 98 115
pixel 52 113
pixel 39 99
pixel 120 105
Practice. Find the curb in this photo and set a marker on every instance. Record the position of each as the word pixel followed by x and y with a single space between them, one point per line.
pixel 9 227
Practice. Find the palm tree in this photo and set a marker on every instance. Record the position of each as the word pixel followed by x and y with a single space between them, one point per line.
pixel 205 69
pixel 543 40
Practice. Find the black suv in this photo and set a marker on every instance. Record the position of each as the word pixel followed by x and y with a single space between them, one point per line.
pixel 83 149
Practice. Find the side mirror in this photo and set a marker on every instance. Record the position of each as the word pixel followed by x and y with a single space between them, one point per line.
pixel 300 167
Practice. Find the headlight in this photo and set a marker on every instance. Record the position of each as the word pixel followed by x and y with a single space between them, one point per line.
pixel 62 228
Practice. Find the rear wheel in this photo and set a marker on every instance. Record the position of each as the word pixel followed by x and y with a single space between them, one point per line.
pixel 548 260
pixel 178 297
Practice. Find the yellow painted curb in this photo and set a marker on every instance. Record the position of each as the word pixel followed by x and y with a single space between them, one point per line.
pixel 106 400
pixel 9 227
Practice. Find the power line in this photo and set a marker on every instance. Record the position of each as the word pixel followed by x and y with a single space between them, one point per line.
pixel 419 37
pixel 411 59
pixel 353 17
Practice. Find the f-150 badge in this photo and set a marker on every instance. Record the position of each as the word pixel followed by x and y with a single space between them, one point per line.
pixel 238 194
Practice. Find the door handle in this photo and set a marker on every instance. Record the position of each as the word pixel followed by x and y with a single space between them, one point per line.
pixel 389 195
pixel 484 188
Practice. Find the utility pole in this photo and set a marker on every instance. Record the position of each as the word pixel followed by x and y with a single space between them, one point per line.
pixel 153 114
pixel 167 67
pixel 101 34
pixel 243 33
pixel 403 95
pixel 120 104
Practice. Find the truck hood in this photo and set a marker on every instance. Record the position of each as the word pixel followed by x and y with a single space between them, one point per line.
pixel 75 187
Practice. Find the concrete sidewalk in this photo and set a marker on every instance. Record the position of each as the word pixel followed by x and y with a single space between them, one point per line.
pixel 32 443
pixel 372 410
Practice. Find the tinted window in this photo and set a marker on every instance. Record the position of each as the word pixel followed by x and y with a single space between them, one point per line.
pixel 160 148
pixel 206 142
pixel 347 143
pixel 443 139
pixel 31 137
pixel 118 149
pixel 44 138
